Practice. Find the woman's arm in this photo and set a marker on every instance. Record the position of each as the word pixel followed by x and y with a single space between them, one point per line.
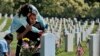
pixel 21 35
pixel 41 20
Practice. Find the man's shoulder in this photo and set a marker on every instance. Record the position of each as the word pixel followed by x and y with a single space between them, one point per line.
pixel 2 40
pixel 4 46
pixel 37 24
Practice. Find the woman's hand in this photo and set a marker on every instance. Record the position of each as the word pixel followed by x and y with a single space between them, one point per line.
pixel 21 35
pixel 28 27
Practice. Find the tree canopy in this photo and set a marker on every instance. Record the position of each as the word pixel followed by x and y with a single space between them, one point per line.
pixel 59 8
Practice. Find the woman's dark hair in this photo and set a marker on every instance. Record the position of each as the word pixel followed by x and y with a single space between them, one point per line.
pixel 24 10
pixel 28 21
pixel 8 37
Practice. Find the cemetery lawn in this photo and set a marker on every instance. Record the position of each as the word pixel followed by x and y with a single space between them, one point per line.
pixel 7 24
pixel 95 28
pixel 1 20
pixel 14 42
pixel 61 50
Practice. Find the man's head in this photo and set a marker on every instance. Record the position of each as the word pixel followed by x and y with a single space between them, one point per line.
pixel 9 38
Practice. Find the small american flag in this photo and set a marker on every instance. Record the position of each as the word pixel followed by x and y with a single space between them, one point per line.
pixel 80 50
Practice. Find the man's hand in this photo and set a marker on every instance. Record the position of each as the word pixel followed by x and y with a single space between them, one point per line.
pixel 41 32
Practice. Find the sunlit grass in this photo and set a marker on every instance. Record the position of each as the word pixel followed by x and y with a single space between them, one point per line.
pixel 95 28
pixel 14 43
pixel 1 20
pixel 61 50
pixel 7 24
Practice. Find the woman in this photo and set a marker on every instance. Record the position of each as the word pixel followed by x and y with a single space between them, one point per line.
pixel 20 19
pixel 26 31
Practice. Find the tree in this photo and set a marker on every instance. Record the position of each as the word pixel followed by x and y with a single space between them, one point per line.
pixel 94 11
pixel 51 7
pixel 6 7
pixel 59 8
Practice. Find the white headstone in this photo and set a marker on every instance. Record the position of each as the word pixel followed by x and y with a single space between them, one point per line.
pixel 11 16
pixel 77 38
pixel 75 19
pixel 69 43
pixel 5 15
pixel 94 45
pixel 3 24
pixel 47 45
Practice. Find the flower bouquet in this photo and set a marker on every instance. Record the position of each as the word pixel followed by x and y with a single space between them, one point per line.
pixel 28 47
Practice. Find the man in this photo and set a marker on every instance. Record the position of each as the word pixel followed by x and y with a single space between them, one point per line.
pixel 26 31
pixel 4 44
pixel 20 18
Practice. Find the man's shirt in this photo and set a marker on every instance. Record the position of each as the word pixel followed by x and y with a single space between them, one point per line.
pixel 3 47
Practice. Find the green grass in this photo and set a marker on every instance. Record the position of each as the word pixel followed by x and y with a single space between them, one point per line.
pixel 1 20
pixel 14 42
pixel 95 28
pixel 7 24
pixel 61 50
pixel 86 49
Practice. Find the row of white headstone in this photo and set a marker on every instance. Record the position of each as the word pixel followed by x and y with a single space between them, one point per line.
pixel 2 25
pixel 68 24
pixel 80 35
pixel 88 31
pixel 94 46
pixel 71 31
pixel 6 16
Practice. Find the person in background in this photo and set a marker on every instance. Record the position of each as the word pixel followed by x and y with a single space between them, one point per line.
pixel 5 45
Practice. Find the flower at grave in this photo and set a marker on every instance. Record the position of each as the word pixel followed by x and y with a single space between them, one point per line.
pixel 25 43
pixel 28 47
pixel 32 46
pixel 26 39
